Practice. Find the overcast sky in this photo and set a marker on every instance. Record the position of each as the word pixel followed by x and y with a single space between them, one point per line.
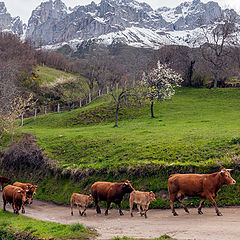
pixel 23 8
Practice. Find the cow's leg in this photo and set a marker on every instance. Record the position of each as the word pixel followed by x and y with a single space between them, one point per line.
pixel 200 206
pixel 145 209
pixel 108 206
pixel 172 199
pixel 72 208
pixel 4 204
pixel 79 210
pixel 180 199
pixel 131 207
pixel 139 209
pixel 84 211
pixel 97 206
pixel 23 209
pixel 120 211
pixel 212 201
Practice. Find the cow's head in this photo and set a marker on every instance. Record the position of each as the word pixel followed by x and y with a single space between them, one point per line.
pixel 127 187
pixel 23 194
pixel 31 192
pixel 90 199
pixel 151 196
pixel 226 177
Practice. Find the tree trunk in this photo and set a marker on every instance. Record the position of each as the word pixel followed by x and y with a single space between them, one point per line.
pixel 215 83
pixel 116 116
pixel 152 114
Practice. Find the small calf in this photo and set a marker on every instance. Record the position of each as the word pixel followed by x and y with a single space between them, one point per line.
pixel 81 201
pixel 142 199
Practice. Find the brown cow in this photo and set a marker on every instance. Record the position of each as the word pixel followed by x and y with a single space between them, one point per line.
pixel 142 199
pixel 31 190
pixel 110 192
pixel 4 180
pixel 15 196
pixel 205 186
pixel 81 201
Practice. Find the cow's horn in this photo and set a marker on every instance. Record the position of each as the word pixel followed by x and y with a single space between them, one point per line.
pixel 229 170
pixel 126 183
pixel 18 191
pixel 223 171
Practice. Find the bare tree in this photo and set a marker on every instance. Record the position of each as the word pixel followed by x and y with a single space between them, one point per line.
pixel 217 42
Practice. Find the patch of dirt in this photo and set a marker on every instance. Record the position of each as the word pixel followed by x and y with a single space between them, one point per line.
pixel 186 226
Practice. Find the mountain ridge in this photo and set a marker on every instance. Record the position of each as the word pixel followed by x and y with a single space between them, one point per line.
pixel 130 22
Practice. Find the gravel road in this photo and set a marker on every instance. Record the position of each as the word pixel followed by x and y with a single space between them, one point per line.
pixel 186 226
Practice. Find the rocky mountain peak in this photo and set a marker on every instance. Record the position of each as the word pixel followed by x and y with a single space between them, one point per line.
pixel 3 9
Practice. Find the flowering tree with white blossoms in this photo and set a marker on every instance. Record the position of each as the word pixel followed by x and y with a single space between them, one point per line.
pixel 160 83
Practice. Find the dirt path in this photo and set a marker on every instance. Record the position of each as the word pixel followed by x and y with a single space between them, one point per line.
pixel 186 226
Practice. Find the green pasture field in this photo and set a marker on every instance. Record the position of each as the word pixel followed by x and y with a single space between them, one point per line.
pixel 197 131
pixel 11 224
pixel 198 127
pixel 47 74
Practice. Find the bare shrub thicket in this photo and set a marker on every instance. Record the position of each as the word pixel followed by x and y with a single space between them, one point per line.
pixel 16 64
pixel 23 154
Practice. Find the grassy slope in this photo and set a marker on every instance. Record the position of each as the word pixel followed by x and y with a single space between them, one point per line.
pixel 199 126
pixel 197 131
pixel 45 230
pixel 47 74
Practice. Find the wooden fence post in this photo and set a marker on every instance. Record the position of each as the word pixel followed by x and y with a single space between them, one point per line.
pixel 99 92
pixel 22 120
pixel 45 110
pixel 90 97
pixel 35 114
pixel 80 103
pixel 107 90
pixel 58 108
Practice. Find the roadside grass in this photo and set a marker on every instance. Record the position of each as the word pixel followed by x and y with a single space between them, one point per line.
pixel 11 223
pixel 165 236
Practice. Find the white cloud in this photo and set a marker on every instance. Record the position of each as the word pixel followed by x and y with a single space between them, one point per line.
pixel 23 8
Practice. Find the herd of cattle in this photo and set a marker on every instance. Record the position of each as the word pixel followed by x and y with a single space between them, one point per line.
pixel 205 186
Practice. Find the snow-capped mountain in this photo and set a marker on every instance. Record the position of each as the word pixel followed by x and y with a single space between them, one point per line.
pixel 125 21
pixel 8 23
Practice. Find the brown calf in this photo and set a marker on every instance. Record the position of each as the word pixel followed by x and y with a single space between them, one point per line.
pixel 81 201
pixel 15 196
pixel 205 186
pixel 110 192
pixel 142 199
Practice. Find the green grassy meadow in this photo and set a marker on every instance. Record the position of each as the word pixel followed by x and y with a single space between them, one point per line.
pixel 47 74
pixel 11 223
pixel 198 127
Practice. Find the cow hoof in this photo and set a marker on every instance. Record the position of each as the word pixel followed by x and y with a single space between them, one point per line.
pixel 131 215
pixel 72 213
pixel 121 214
pixel 200 212
pixel 23 211
pixel 175 214
pixel 106 213
pixel 186 210
pixel 219 214
pixel 145 216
